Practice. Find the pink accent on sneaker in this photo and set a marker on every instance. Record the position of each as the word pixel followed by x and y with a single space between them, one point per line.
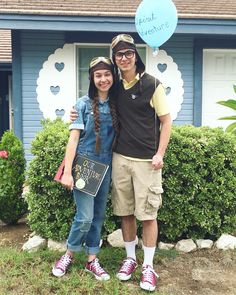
pixel 127 268
pixel 95 268
pixel 148 278
pixel 62 266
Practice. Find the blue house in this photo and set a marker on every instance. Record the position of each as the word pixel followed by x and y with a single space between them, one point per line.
pixel 53 41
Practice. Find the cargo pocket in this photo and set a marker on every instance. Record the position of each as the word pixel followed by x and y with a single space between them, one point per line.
pixel 154 199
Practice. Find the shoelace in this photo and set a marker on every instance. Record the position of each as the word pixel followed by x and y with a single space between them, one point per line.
pixel 64 261
pixel 127 265
pixel 149 274
pixel 97 266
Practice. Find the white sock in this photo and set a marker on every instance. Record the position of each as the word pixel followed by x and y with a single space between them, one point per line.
pixel 130 249
pixel 148 255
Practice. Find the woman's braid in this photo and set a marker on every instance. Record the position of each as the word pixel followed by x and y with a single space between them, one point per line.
pixel 95 107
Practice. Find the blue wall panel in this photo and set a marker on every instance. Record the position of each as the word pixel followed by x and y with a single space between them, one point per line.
pixel 180 48
pixel 36 46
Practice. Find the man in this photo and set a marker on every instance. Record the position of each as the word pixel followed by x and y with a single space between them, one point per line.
pixel 138 156
pixel 145 127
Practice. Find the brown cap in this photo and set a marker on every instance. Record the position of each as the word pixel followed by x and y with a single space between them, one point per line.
pixel 100 63
pixel 123 45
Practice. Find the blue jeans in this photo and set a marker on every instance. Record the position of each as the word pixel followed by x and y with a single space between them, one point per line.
pixel 91 211
pixel 89 217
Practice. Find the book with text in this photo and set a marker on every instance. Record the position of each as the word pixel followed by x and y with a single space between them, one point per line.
pixel 88 174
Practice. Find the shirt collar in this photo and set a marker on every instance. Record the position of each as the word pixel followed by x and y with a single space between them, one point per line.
pixel 103 101
pixel 133 82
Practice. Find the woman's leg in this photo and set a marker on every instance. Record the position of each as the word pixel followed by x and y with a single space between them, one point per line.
pixel 82 221
pixel 79 229
pixel 94 234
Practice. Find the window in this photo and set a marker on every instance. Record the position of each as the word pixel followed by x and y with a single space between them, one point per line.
pixel 84 53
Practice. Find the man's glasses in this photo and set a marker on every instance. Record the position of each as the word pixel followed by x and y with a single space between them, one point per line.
pixel 128 54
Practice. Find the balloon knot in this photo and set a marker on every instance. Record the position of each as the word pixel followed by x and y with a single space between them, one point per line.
pixel 155 51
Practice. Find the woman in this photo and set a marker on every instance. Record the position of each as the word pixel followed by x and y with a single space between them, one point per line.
pixel 92 135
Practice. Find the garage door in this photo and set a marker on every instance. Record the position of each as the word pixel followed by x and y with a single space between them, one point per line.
pixel 219 76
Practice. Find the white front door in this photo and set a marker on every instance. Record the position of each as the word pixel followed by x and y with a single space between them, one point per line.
pixel 219 76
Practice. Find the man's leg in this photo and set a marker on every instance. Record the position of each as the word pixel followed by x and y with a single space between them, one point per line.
pixel 148 189
pixel 123 205
pixel 149 277
pixel 149 240
pixel 129 230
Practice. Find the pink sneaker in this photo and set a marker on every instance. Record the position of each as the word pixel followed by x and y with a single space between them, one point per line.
pixel 148 278
pixel 95 268
pixel 62 265
pixel 127 268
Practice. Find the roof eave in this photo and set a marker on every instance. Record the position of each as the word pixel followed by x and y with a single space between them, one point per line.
pixel 187 24
pixel 108 13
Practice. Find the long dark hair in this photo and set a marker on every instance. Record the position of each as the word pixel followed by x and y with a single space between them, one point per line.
pixel 93 95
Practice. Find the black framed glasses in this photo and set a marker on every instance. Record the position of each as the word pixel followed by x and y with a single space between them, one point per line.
pixel 128 54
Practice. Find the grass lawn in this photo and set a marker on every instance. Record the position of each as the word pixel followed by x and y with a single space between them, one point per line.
pixel 30 273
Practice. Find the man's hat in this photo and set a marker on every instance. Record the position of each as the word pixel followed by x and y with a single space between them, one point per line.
pixel 125 41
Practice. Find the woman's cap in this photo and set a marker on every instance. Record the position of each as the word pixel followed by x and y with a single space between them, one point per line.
pixel 100 63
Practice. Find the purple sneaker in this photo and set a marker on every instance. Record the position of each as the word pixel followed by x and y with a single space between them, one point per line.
pixel 95 269
pixel 127 268
pixel 62 265
pixel 148 278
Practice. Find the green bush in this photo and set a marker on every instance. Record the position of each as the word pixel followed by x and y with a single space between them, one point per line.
pixel 51 206
pixel 199 197
pixel 12 176
pixel 112 222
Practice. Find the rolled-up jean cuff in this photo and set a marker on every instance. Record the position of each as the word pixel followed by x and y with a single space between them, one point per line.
pixel 92 250
pixel 75 248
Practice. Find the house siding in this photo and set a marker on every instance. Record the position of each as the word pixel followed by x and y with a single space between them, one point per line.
pixel 180 48
pixel 35 48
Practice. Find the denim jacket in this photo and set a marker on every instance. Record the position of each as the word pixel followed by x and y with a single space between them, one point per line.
pixel 85 122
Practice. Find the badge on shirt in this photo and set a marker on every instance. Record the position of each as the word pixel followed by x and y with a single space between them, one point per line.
pixel 134 96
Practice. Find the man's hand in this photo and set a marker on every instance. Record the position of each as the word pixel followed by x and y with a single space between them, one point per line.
pixel 157 162
pixel 73 114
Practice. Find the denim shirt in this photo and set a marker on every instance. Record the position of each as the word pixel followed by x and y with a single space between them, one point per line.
pixel 85 123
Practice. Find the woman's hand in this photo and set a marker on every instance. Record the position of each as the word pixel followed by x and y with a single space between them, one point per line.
pixel 67 181
pixel 73 114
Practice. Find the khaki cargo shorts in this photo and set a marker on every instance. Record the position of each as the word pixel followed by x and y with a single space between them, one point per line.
pixel 136 188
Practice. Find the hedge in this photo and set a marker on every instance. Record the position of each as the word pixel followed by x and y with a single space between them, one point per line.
pixel 12 177
pixel 199 184
pixel 199 174
pixel 51 206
